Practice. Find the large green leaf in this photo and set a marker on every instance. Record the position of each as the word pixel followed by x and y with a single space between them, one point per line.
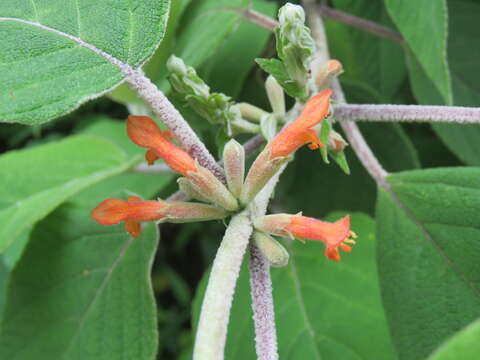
pixel 81 290
pixel 323 309
pixel 428 245
pixel 37 180
pixel 417 18
pixel 46 68
pixel 463 345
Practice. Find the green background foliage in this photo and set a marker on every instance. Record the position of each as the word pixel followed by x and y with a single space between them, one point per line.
pixel 72 289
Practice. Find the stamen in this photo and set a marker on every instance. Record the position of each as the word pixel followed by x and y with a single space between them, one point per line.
pixel 353 235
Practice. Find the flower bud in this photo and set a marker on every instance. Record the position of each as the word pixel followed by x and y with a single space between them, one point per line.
pixel 234 165
pixel 295 45
pixel 188 189
pixel 184 79
pixel 273 251
pixel 325 75
pixel 276 96
pixel 209 187
pixel 181 212
pixel 291 13
pixel 261 171
pixel 336 142
pixel 251 112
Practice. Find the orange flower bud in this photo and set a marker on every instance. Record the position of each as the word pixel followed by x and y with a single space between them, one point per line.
pixel 334 235
pixel 134 210
pixel 144 132
pixel 327 73
pixel 287 141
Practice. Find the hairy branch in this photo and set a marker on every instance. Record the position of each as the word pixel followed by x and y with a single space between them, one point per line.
pixel 254 17
pixel 262 305
pixel 212 327
pixel 360 23
pixel 400 113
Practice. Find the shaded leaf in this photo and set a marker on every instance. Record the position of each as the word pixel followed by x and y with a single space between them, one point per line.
pixel 82 290
pixel 414 19
pixel 37 180
pixel 429 239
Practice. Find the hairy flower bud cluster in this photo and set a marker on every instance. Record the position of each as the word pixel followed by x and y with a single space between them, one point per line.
pixel 295 45
pixel 199 183
pixel 217 108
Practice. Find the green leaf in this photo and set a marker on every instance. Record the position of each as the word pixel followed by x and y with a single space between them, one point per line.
pixel 323 308
pixel 207 24
pixel 463 51
pixel 82 290
pixel 341 160
pixel 36 181
pixel 45 69
pixel 463 344
pixel 429 240
pixel 373 66
pixel 415 19
pixel 278 70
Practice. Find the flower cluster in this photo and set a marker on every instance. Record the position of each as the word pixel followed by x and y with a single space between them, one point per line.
pixel 200 184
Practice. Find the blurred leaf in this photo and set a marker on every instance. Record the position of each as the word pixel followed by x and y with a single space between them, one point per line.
pixel 372 65
pixel 36 181
pixel 415 19
pixel 50 74
pixel 429 241
pixel 464 345
pixel 332 189
pixel 323 308
pixel 278 70
pixel 82 290
pixel 227 70
pixel 204 27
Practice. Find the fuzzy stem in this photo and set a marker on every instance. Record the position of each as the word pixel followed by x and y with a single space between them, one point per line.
pixel 212 327
pixel 262 305
pixel 174 121
pixel 401 113
pixel 255 17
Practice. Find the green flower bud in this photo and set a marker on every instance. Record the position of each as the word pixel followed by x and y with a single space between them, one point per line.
pixel 273 251
pixel 234 164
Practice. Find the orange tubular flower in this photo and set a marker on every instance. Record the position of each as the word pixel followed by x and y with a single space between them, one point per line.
pixel 134 210
pixel 300 131
pixel 334 235
pixel 287 141
pixel 144 132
